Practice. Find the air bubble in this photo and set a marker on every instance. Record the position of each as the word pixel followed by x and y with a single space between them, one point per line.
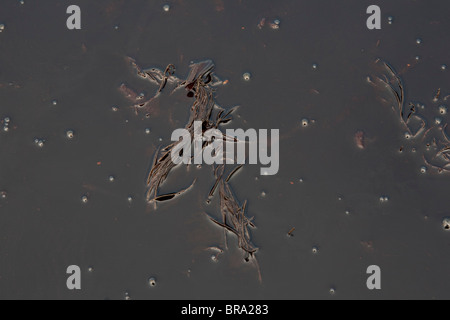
pixel 152 282
pixel 384 199
pixel 407 135
pixel 332 291
pixel 111 178
pixel 84 199
pixel 305 122
pixel 90 269
pixel 418 41
pixel 347 212
pixel 437 121
pixel 446 223
pixel 116 27
pixel 443 110
pixel 423 169
pixel 22 2
pixel 147 131
pixel 214 258
pixel 417 58
pixel 70 134
pixel 443 67
pixel 3 194
pixel 263 194
pixel 130 199
pixel 390 19
pixel 127 296
pixel 246 76
pixel 166 7
pixel 114 109
pixel 54 102
pixel 315 250
pixel 39 142
pixel 2 27
pixel 315 66
pixel 275 24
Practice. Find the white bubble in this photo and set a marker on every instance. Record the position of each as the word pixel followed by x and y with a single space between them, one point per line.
pixel 152 282
pixel 347 212
pixel 147 131
pixel 130 199
pixel 246 76
pixel 438 121
pixel 443 67
pixel 315 250
pixel 423 169
pixel 390 19
pixel 443 110
pixel 90 269
pixel 54 102
pixel 114 109
pixel 84 199
pixel 418 41
pixel 166 7
pixel 69 134
pixel 332 291
pixel 305 122
pixel 407 135
pixel 446 223
pixel 417 58
pixel 2 27
pixel 7 119
pixel 3 194
pixel 111 178
pixel 315 66
pixel 263 194
pixel 116 27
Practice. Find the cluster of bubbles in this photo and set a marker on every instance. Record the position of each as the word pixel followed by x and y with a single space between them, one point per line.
pixel 6 121
pixel 275 25
pixel 305 122
pixel 39 142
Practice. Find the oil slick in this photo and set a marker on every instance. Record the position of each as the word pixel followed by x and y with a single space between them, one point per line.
pixel 428 135
pixel 199 85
